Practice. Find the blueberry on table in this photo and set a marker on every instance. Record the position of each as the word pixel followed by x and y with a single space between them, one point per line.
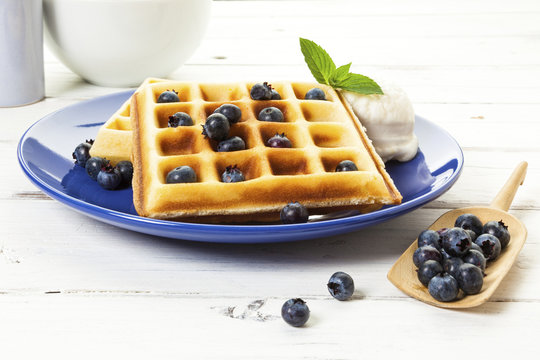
pixel 180 119
pixel 181 174
pixel 81 154
pixel 232 174
pixel 315 94
pixel 470 279
pixel 93 166
pixel 428 270
pixel 279 141
pixel 272 114
pixel 346 165
pixel 168 96
pixel 499 230
pixel 125 168
pixel 341 285
pixel 231 112
pixel 452 265
pixel 469 222
pixel 475 258
pixel 234 143
pixel 456 242
pixel 275 95
pixel 429 237
pixel 295 312
pixel 490 245
pixel 216 127
pixel 294 213
pixel 425 253
pixel 261 91
pixel 109 177
pixel 443 287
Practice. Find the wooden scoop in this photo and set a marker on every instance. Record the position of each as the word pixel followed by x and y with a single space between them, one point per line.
pixel 403 274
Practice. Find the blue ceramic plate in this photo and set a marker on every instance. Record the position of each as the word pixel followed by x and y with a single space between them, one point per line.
pixel 45 156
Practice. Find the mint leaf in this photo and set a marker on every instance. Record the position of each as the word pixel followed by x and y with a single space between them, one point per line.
pixel 318 61
pixel 359 84
pixel 340 74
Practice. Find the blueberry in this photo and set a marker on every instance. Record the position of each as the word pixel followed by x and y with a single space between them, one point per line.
pixel 469 222
pixel 442 231
pixel 475 246
pixel 472 234
pixel 181 174
pixel 315 94
pixel 216 127
pixel 279 141
pixel 180 119
pixel 426 253
pixel 261 91
pixel 275 95
pixel 109 178
pixel 126 172
pixel 272 114
pixel 232 174
pixel 429 237
pixel 295 312
pixel 231 112
pixel 234 143
pixel 93 166
pixel 491 246
pixel 168 96
pixel 346 165
pixel 428 270
pixel 82 152
pixel 456 242
pixel 499 230
pixel 294 213
pixel 444 254
pixel 443 287
pixel 341 285
pixel 470 279
pixel 476 258
pixel 451 266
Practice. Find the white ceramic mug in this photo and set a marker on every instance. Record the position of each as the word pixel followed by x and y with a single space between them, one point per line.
pixel 21 52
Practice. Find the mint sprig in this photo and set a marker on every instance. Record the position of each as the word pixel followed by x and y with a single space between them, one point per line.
pixel 325 71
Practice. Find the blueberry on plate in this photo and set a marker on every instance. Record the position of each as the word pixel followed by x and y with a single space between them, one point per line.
pixel 181 174
pixel 490 245
pixel 315 94
pixel 168 96
pixel 472 234
pixel 443 287
pixel 456 242
pixel 499 230
pixel 231 112
pixel 295 312
pixel 429 237
pixel 81 154
pixel 470 279
pixel 272 114
pixel 125 168
pixel 474 246
pixel 232 174
pixel 340 285
pixel 469 222
pixel 261 91
pixel 93 166
pixel 109 177
pixel 452 265
pixel 428 270
pixel 234 143
pixel 425 253
pixel 180 119
pixel 216 127
pixel 279 141
pixel 294 213
pixel 476 258
pixel 346 165
pixel 275 95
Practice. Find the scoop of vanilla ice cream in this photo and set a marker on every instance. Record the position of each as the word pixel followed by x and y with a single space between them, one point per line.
pixel 389 121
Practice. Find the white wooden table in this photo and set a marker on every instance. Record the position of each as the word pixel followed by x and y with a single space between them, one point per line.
pixel 74 288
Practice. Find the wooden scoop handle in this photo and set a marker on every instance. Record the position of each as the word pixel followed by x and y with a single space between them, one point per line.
pixel 504 198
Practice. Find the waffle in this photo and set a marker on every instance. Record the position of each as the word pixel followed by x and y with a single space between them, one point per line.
pixel 323 133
